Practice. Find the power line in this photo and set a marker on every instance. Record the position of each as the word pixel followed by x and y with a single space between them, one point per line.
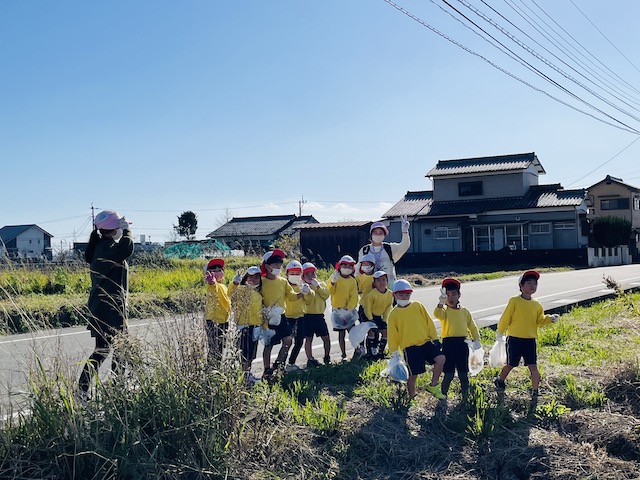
pixel 603 164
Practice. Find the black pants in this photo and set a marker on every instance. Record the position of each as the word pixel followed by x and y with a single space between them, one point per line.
pixel 92 365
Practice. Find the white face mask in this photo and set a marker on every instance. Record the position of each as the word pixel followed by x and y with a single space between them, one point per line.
pixel 403 303
pixel 377 238
pixel 118 235
pixel 276 271
pixel 345 271
pixel 295 279
pixel 366 268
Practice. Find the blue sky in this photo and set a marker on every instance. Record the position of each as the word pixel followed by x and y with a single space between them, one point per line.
pixel 244 108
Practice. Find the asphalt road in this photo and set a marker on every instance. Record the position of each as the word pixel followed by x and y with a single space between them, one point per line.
pixel 65 349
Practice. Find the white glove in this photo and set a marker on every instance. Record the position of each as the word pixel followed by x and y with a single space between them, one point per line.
pixel 305 289
pixel 405 224
pixel 555 317
pixel 315 283
pixel 476 345
pixel 237 277
pixel 499 337
pixel 334 277
pixel 443 296
pixel 396 355
pixel 124 224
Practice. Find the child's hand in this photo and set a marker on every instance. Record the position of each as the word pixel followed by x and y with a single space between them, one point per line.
pixel 443 296
pixel 476 345
pixel 305 289
pixel 210 277
pixel 405 224
pixel 238 277
pixel 334 277
pixel 499 337
pixel 555 317
pixel 315 283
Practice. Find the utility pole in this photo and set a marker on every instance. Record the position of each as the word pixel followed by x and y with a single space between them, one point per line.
pixel 93 218
pixel 300 204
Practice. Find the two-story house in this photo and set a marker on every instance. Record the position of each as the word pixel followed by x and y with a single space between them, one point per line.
pixel 612 197
pixel 25 242
pixel 493 204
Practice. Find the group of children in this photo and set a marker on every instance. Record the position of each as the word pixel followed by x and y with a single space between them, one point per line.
pixel 289 311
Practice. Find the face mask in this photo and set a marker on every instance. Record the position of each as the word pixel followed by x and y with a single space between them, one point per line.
pixel 346 271
pixel 295 279
pixel 377 238
pixel 118 235
pixel 367 268
pixel 402 303
pixel 276 271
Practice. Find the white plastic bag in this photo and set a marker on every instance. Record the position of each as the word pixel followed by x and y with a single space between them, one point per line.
pixel 273 314
pixel 476 360
pixel 343 319
pixel 396 369
pixel 358 333
pixel 266 335
pixel 498 354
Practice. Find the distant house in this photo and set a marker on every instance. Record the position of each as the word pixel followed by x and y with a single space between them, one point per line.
pixel 324 243
pixel 258 233
pixel 490 208
pixel 26 242
pixel 612 197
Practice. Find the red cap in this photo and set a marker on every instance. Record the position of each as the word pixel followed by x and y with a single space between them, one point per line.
pixel 528 273
pixel 215 262
pixel 451 281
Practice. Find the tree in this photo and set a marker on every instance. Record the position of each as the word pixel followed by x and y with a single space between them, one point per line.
pixel 187 225
pixel 611 231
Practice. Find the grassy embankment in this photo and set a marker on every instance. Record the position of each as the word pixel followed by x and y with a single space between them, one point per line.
pixel 175 416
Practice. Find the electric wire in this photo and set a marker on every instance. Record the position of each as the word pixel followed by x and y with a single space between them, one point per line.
pixel 605 163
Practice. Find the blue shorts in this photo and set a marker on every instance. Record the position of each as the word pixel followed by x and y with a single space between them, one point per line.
pixel 456 350
pixel 417 356
pixel 315 324
pixel 521 348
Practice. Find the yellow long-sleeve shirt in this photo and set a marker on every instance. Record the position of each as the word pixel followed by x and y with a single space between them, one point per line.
pixel 217 305
pixel 319 302
pixel 379 304
pixel 365 285
pixel 410 326
pixel 522 318
pixel 277 291
pixel 297 308
pixel 246 303
pixel 456 322
pixel 344 293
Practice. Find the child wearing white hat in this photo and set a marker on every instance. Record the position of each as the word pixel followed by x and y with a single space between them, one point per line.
pixel 314 321
pixel 294 310
pixel 343 289
pixel 377 306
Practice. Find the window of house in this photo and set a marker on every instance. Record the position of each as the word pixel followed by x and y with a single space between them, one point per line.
pixel 444 233
pixel 539 228
pixel 614 204
pixel 467 189
pixel 518 237
pixel 564 226
pixel 636 203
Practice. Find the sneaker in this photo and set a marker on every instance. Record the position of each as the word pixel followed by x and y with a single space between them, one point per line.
pixel 312 363
pixel 292 367
pixel 277 366
pixel 500 385
pixel 267 374
pixel 327 360
pixel 343 356
pixel 436 392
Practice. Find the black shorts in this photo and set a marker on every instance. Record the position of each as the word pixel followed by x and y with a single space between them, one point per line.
pixel 315 324
pixel 417 356
pixel 521 348
pixel 380 323
pixel 456 350
pixel 297 327
pixel 247 345
pixel 282 331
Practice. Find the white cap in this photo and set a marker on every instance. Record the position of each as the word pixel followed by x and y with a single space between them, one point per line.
pixel 294 265
pixel 379 273
pixel 308 266
pixel 368 257
pixel 347 259
pixel 253 271
pixel 402 286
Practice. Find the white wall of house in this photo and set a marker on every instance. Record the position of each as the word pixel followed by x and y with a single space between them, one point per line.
pixel 31 243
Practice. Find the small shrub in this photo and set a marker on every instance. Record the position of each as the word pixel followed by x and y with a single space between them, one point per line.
pixel 548 413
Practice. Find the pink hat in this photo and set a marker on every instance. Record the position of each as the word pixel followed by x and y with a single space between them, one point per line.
pixel 381 225
pixel 108 220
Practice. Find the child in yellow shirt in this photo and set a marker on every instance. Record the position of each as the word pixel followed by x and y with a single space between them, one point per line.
pixel 314 321
pixel 457 323
pixel 412 330
pixel 377 306
pixel 343 289
pixel 520 322
pixel 217 308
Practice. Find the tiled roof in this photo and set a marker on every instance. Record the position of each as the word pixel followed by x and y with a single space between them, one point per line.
pixel 540 196
pixel 259 226
pixel 9 232
pixel 413 204
pixel 501 163
pixel 298 223
pixel 609 179
pixel 310 226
